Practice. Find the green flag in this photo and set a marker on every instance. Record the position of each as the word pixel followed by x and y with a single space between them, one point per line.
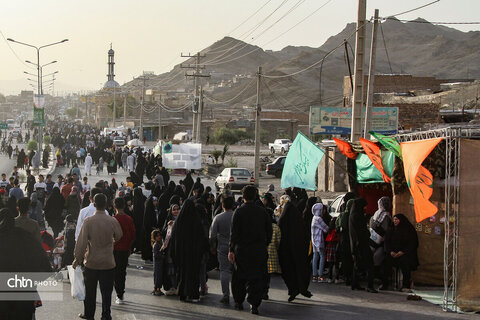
pixel 389 142
pixel 301 164
pixel 368 173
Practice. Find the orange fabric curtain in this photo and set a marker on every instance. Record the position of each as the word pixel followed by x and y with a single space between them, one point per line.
pixel 373 153
pixel 419 179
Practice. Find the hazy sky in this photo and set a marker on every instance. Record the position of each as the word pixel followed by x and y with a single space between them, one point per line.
pixel 150 34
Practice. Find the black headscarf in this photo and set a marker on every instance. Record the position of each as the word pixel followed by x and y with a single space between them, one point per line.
pixel 404 238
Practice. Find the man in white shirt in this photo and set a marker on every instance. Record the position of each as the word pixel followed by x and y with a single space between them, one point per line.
pixel 40 188
pixel 4 182
pixel 87 212
pixel 59 184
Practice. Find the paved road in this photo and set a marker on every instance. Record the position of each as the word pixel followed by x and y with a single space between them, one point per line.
pixel 330 301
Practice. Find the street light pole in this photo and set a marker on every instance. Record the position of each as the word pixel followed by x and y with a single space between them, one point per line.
pixel 39 87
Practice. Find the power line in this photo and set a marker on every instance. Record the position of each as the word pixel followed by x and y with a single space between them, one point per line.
pixel 386 50
pixel 13 51
pixel 259 48
pixel 433 22
pixel 230 100
pixel 414 9
pixel 246 34
pixel 295 6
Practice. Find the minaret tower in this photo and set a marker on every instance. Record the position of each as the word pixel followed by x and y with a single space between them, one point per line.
pixel 111 83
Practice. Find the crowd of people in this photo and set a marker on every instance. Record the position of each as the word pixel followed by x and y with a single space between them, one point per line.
pixel 185 230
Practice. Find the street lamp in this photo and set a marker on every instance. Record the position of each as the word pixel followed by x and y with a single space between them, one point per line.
pixel 39 86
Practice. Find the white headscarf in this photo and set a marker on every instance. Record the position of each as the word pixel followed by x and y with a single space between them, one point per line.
pixel 384 205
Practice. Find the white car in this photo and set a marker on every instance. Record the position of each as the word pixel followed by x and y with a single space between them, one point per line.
pixel 234 179
pixel 119 142
pixel 280 145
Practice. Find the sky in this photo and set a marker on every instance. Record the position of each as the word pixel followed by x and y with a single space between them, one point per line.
pixel 150 35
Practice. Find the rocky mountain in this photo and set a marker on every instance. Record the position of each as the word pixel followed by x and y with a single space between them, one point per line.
pixel 416 47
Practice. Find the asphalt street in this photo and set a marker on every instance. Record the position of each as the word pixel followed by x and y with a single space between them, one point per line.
pixel 329 301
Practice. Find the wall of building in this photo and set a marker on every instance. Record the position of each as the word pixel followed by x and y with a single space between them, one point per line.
pixel 415 115
pixel 399 83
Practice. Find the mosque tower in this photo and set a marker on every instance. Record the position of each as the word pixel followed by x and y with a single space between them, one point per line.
pixel 111 83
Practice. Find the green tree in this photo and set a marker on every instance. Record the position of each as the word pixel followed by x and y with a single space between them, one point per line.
pixel 32 145
pixel 216 154
pixel 71 112
pixel 47 140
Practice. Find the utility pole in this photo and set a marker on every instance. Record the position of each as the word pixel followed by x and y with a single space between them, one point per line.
pixel 357 103
pixel 124 111
pixel 114 106
pixel 199 116
pixel 196 77
pixel 258 109
pixel 371 77
pixel 140 133
pixel 160 136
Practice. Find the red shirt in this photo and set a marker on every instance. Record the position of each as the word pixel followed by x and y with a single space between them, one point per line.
pixel 128 229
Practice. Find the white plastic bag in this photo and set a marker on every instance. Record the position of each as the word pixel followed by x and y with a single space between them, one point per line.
pixel 77 287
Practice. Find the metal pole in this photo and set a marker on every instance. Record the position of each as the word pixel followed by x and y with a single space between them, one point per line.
pixel 160 123
pixel 114 106
pixel 199 116
pixel 124 111
pixel 197 94
pixel 258 109
pixel 371 77
pixel 40 92
pixel 141 110
pixel 357 103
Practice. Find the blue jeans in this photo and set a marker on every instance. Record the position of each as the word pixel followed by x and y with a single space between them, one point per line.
pixel 318 270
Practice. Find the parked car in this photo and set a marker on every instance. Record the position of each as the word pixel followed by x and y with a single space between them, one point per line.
pixel 234 178
pixel 334 207
pixel 119 142
pixel 280 145
pixel 276 167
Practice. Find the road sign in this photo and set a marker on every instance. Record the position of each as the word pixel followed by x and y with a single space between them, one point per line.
pixel 338 120
pixel 3 126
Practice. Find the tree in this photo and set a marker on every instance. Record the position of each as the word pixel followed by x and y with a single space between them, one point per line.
pixel 2 98
pixel 216 154
pixel 32 145
pixel 71 112
pixel 47 140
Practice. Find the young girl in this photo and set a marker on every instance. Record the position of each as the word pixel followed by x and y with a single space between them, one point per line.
pixel 331 252
pixel 157 262
pixel 319 228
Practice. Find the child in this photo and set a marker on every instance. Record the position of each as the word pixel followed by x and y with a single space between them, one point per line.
pixel 157 262
pixel 57 254
pixel 331 252
pixel 85 185
pixel 319 228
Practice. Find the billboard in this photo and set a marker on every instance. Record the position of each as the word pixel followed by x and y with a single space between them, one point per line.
pixel 338 120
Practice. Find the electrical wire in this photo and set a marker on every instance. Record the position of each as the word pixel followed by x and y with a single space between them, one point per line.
pixel 14 53
pixel 248 33
pixel 259 48
pixel 386 50
pixel 414 9
pixel 295 6
pixel 230 100
pixel 316 63
pixel 433 22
